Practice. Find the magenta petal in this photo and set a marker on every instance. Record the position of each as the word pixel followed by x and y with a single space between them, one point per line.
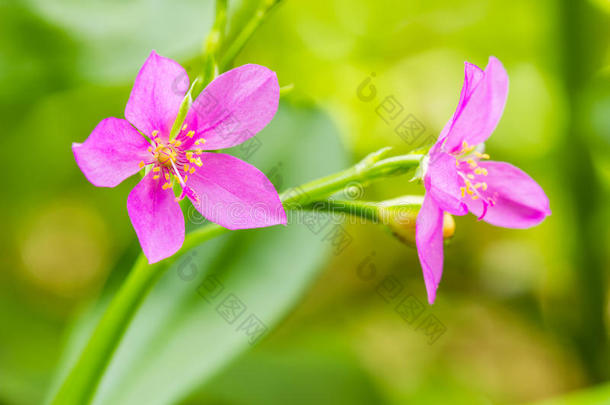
pixel 442 183
pixel 519 201
pixel 472 76
pixel 234 107
pixel 234 194
pixel 111 153
pixel 156 95
pixel 156 218
pixel 429 241
pixel 481 106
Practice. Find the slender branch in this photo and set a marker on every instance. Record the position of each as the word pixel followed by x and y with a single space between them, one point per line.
pixel 361 209
pixel 246 33
pixel 359 175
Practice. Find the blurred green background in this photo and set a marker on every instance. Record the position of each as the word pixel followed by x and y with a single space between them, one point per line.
pixel 521 315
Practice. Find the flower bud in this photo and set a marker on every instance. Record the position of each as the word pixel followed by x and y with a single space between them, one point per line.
pixel 400 215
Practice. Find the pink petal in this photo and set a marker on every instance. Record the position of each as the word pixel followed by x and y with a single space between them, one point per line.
pixel 519 201
pixel 429 241
pixel 234 194
pixel 156 218
pixel 111 153
pixel 472 75
pixel 442 183
pixel 234 107
pixel 156 95
pixel 481 106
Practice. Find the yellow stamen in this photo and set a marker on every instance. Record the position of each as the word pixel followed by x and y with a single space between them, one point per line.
pixel 482 185
pixel 166 186
pixel 190 134
pixel 141 164
pixel 184 127
pixel 482 155
pixel 156 169
pixel 156 177
pixel 192 170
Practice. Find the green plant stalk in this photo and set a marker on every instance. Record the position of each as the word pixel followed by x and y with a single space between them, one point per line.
pixel 80 385
pixel 361 174
pixel 210 68
pixel 246 33
pixel 376 212
pixel 361 209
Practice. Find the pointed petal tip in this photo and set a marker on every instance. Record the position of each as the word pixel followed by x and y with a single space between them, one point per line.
pixel 431 288
pixel 156 95
pixel 429 241
pixel 493 60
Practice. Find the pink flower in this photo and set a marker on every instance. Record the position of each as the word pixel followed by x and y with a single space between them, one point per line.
pixel 226 190
pixel 459 179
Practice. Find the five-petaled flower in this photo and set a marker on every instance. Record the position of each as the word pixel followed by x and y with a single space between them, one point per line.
pixel 459 179
pixel 226 190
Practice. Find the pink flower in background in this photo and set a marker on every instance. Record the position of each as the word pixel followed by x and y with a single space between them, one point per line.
pixel 226 190
pixel 459 179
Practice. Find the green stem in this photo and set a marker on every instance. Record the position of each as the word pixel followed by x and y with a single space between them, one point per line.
pixel 361 209
pixel 382 212
pixel 359 175
pixel 78 388
pixel 246 33
pixel 583 314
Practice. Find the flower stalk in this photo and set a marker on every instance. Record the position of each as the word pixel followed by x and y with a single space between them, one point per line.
pixel 246 33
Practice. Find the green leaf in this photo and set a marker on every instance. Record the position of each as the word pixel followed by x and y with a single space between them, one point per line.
pixel 179 339
pixel 325 374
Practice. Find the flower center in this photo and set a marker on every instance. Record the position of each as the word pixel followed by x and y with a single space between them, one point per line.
pixel 172 161
pixel 165 155
pixel 473 175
